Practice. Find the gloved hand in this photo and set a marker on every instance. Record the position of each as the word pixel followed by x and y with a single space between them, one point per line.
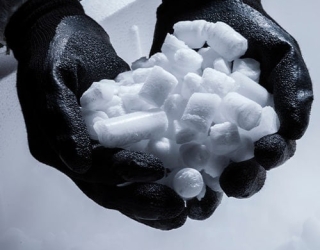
pixel 60 52
pixel 283 73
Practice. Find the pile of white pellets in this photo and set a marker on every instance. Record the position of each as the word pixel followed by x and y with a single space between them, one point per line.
pixel 196 105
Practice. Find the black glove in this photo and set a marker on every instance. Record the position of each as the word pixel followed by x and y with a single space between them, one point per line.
pixel 60 52
pixel 283 73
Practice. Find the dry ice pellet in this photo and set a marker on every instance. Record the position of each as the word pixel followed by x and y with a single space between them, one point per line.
pixel 195 107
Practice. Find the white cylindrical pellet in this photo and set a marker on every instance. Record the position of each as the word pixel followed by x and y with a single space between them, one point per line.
pixel 245 151
pixel 97 95
pixel 248 67
pixel 227 42
pixel 216 82
pixel 131 128
pixel 114 107
pixel 174 106
pixel 129 89
pixel 216 165
pixel 116 111
pixel 209 55
pixel 137 146
pixel 188 183
pixel 193 33
pixel 170 46
pixel 184 134
pixel 269 124
pixel 90 117
pixel 125 78
pixel 135 41
pixel 194 155
pixel 191 84
pixel 240 110
pixel 211 182
pixel 225 138
pixel 251 89
pixel 133 103
pixel 186 61
pixel 200 111
pixel 166 150
pixel 158 86
pixel 140 75
pixel 222 65
pixel 159 59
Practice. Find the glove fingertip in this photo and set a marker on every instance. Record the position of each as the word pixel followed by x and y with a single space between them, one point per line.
pixel 204 208
pixel 273 150
pixel 242 179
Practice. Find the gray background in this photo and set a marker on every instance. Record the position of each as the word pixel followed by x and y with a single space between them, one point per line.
pixel 42 209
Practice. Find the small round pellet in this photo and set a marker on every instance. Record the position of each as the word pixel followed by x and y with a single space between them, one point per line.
pixel 188 183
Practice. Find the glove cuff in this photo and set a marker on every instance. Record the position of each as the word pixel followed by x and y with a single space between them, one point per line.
pixel 34 24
